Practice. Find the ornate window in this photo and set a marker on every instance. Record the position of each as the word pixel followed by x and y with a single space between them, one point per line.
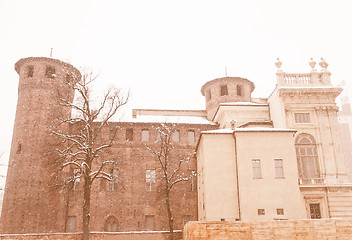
pixel 302 118
pixel 307 157
pixel 111 224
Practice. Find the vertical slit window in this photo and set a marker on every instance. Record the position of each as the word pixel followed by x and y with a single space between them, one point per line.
pixel 30 71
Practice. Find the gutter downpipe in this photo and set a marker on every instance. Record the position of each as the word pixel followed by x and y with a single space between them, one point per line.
pixel 238 188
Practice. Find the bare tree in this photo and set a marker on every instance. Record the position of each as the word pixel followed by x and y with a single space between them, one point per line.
pixel 174 167
pixel 80 148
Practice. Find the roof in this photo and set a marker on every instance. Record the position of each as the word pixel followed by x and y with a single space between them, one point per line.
pixel 243 104
pixel 254 129
pixel 170 119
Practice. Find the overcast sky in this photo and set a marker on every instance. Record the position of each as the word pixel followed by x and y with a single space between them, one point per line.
pixel 164 51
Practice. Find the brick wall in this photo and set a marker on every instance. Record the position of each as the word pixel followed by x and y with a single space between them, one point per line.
pixel 283 230
pixel 162 235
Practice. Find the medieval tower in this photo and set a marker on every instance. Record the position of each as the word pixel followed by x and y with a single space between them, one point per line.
pixel 31 202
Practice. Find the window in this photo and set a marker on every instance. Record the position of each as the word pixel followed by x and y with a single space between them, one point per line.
pixel 256 168
pixel 77 178
pixel 145 135
pixel 280 211
pixel 50 72
pixel 239 90
pixel 19 148
pixel 193 181
pixel 150 180
pixel 191 136
pixel 71 224
pixel 209 94
pixel 30 71
pixel 176 136
pixel 223 90
pixel 129 134
pixel 279 168
pixel 261 211
pixel 307 158
pixel 114 181
pixel 111 224
pixel 314 210
pixel 302 118
pixel 149 222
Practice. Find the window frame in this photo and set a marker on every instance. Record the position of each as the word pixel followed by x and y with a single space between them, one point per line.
pixel 30 70
pixel 302 118
pixel 152 218
pixel 129 134
pixel 145 135
pixel 50 72
pixel 175 136
pixel 307 157
pixel 150 180
pixel 279 168
pixel 224 91
pixel 280 211
pixel 261 211
pixel 239 90
pixel 193 137
pixel 256 164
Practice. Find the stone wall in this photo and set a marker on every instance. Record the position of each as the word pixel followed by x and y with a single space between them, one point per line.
pixel 283 230
pixel 155 235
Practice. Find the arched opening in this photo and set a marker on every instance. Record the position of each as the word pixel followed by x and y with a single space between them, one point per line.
pixel 307 157
pixel 111 224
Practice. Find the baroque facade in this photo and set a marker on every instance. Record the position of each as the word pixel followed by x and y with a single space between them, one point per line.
pixel 255 158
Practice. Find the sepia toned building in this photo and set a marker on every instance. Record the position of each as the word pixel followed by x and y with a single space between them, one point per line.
pixel 253 158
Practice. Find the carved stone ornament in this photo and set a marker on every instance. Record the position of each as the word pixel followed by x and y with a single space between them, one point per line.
pixel 312 63
pixel 323 64
pixel 278 64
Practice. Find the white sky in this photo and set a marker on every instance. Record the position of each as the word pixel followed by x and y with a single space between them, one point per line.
pixel 164 51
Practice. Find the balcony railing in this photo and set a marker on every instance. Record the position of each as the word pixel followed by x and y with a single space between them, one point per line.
pixel 297 78
pixel 311 181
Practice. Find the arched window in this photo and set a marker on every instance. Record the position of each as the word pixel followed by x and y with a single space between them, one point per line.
pixel 111 224
pixel 307 157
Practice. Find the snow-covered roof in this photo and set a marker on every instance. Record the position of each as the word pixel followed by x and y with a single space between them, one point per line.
pixel 243 104
pixel 264 129
pixel 307 87
pixel 253 129
pixel 170 119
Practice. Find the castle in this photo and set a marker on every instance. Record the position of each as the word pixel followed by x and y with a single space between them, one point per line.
pixel 256 158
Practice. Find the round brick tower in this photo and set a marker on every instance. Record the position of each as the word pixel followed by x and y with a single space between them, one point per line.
pixel 33 202
pixel 226 89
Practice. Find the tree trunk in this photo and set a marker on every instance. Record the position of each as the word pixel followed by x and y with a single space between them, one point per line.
pixel 86 210
pixel 169 214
